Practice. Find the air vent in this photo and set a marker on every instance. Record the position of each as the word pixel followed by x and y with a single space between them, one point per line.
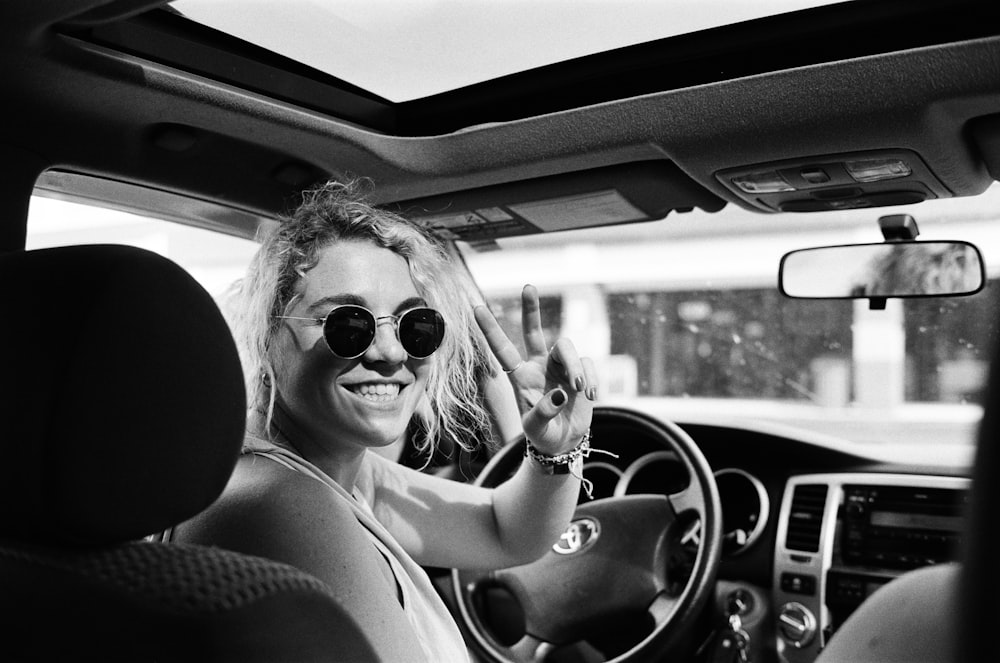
pixel 806 517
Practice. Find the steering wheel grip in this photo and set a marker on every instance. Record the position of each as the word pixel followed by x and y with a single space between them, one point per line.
pixel 611 562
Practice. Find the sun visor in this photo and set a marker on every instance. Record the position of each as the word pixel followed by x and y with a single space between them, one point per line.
pixel 623 193
pixel 985 133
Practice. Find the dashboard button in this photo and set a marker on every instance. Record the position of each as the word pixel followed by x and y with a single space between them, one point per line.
pixel 797 583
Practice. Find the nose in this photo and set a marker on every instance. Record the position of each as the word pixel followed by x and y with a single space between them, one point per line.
pixel 386 347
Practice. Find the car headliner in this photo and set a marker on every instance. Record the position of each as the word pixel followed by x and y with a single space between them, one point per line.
pixel 129 94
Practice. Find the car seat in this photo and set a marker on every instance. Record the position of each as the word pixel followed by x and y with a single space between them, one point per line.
pixel 944 613
pixel 123 409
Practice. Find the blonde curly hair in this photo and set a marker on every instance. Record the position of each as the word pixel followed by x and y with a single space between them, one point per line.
pixel 338 211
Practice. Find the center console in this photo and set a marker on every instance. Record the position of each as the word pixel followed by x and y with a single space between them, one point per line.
pixel 843 536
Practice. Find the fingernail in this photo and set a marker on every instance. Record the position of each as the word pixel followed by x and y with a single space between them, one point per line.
pixel 558 397
pixel 580 384
pixel 592 393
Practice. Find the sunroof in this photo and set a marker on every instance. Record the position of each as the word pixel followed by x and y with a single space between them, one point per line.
pixel 403 50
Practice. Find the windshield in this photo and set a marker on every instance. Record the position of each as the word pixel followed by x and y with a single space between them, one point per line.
pixel 684 318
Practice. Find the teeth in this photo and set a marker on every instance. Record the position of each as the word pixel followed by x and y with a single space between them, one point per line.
pixel 377 392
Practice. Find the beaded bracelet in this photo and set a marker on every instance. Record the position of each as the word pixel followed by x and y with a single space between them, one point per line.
pixel 570 462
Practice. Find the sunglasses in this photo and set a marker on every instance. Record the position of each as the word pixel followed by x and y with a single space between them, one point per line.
pixel 349 330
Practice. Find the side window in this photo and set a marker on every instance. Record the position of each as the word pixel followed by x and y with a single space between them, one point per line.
pixel 214 259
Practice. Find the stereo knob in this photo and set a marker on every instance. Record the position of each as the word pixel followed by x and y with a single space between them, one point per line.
pixel 797 624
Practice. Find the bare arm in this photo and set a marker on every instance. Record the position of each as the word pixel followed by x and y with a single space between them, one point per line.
pixel 443 523
pixel 450 524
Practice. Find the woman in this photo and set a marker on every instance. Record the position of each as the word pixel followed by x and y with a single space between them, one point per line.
pixel 352 322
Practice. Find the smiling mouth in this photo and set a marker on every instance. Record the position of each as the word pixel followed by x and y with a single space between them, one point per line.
pixel 376 393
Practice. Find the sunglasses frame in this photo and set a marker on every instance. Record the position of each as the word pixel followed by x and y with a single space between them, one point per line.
pixel 395 320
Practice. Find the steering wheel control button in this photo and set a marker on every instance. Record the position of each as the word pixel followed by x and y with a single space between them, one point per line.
pixel 581 534
pixel 797 624
pixel 797 583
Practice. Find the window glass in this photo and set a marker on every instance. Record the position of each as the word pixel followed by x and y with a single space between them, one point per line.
pixel 683 318
pixel 215 260
pixel 725 343
pixel 427 46
pixel 507 311
pixel 948 346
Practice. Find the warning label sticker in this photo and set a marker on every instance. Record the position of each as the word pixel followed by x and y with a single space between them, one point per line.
pixel 480 224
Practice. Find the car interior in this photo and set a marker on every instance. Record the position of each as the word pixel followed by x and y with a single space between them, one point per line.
pixel 871 127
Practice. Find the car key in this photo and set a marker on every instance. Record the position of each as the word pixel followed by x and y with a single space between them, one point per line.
pixel 731 647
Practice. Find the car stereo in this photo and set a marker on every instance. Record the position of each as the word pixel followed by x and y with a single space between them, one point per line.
pixel 898 527
pixel 885 530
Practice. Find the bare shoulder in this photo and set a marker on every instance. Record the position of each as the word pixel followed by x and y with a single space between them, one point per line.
pixel 279 491
pixel 273 511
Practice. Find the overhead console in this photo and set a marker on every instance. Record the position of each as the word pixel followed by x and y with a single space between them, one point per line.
pixel 843 536
pixel 622 193
pixel 836 182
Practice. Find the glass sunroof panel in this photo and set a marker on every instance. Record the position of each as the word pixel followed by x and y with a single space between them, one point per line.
pixel 409 49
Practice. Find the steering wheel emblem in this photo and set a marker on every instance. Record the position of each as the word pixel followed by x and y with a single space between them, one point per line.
pixel 580 534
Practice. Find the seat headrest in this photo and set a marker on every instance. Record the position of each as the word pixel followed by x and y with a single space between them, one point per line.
pixel 123 403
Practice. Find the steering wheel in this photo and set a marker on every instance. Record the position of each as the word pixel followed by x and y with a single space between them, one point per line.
pixel 611 565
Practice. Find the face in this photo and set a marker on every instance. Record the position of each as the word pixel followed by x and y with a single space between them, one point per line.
pixel 362 402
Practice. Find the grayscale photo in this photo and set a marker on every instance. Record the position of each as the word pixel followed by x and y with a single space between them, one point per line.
pixel 500 331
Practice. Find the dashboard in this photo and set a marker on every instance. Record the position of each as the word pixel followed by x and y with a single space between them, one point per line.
pixel 843 536
pixel 812 526
pixel 811 529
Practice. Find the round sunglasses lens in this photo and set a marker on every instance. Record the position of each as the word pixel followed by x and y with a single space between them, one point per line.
pixel 349 330
pixel 421 332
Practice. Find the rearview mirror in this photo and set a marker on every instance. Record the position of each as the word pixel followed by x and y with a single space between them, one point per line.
pixel 887 269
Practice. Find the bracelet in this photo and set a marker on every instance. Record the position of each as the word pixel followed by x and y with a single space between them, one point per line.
pixel 560 463
pixel 570 462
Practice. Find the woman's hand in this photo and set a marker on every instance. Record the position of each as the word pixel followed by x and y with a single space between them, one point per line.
pixel 554 387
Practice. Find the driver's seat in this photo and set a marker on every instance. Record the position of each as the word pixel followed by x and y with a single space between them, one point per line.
pixel 123 410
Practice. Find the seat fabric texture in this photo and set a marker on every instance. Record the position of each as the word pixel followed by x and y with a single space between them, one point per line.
pixel 124 408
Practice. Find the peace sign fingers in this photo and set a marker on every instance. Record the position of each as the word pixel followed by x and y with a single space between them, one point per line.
pixel 503 349
pixel 555 388
pixel 531 322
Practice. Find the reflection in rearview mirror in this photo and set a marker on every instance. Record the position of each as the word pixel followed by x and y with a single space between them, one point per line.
pixel 888 269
